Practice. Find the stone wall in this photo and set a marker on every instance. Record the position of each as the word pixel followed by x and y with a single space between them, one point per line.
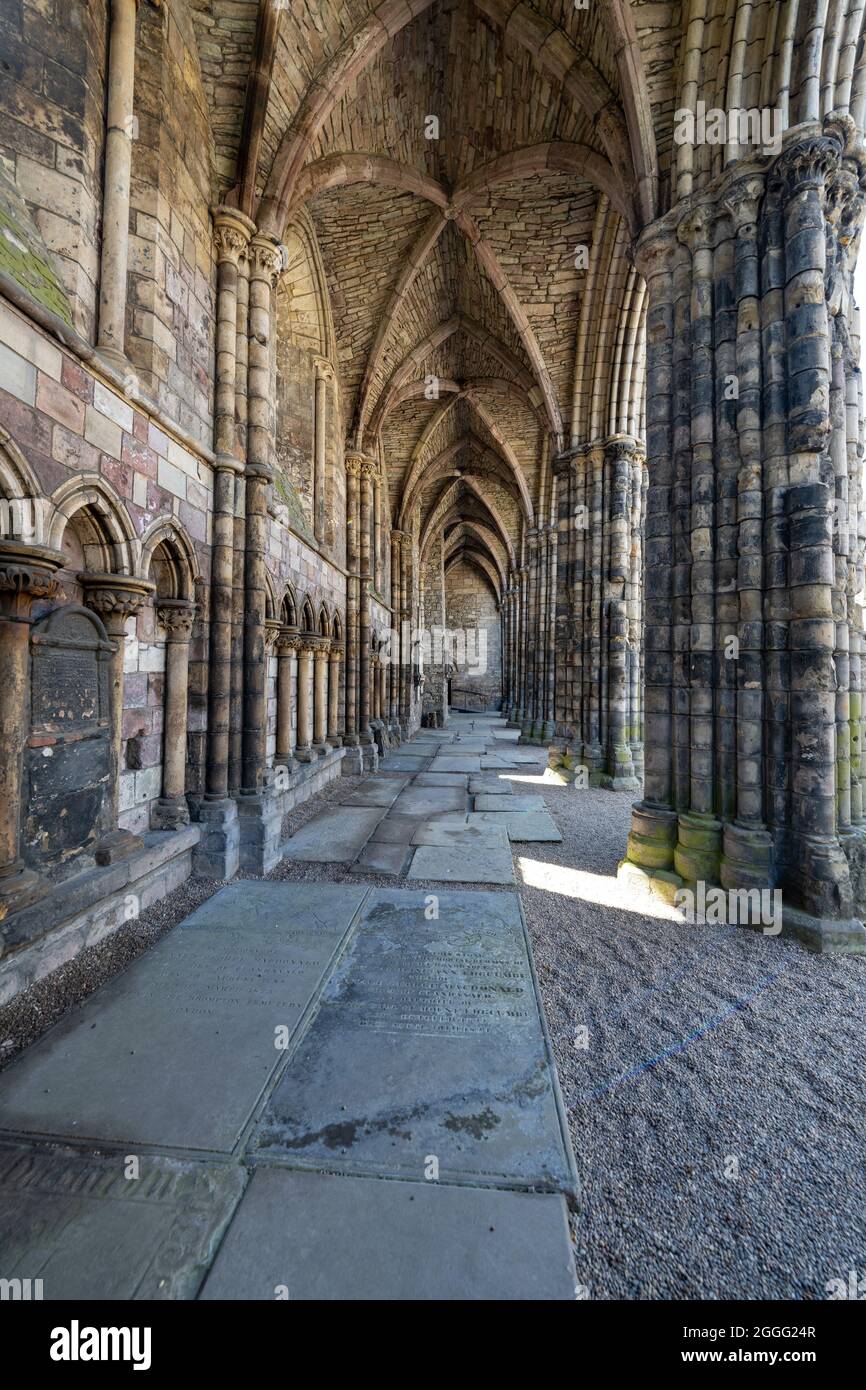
pixel 471 612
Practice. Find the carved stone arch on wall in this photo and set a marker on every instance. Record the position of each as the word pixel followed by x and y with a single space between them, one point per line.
pixel 23 506
pixel 168 557
pixel 108 529
pixel 289 608
pixel 308 615
pixel 271 606
pixel 337 627
pixel 324 621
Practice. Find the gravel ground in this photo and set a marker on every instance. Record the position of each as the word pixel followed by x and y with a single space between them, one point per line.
pixel 706 1045
pixel 710 1051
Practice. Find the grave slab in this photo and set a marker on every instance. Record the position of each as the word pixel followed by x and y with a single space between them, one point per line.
pixel 429 801
pixel 489 785
pixel 463 864
pixel 429 1040
pixel 450 762
pixel 376 793
pixel 335 836
pixel 441 779
pixel 408 763
pixel 382 858
pixel 346 1238
pixel 79 1224
pixel 177 1050
pixel 501 801
pixel 522 826
pixel 463 834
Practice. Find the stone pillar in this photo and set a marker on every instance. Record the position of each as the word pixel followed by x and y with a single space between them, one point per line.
pixel 265 256
pixel 287 648
pixel 353 476
pixel 368 471
pixel 324 376
pixel 116 598
pixel 406 633
pixel 320 696
pixel 26 578
pixel 376 565
pixel 334 735
pixel 396 628
pixel 116 187
pixel 176 616
pixel 306 651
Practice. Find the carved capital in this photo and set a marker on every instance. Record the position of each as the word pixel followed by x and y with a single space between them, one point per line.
pixel 266 259
pixel 115 597
pixel 231 233
pixel 27 572
pixel 807 164
pixel 177 616
pixel 273 628
pixel 288 640
pixel 743 198
pixel 324 368
pixel 696 229
pixel 654 249
pixel 354 464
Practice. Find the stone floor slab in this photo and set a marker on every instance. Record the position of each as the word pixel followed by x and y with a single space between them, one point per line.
pixel 463 834
pixel 429 1040
pixel 87 1231
pixel 382 858
pixel 441 779
pixel 177 1049
pixel 462 864
pixel 429 801
pixel 335 836
pixel 449 762
pixel 395 830
pixel 522 826
pixel 407 764
pixel 345 1238
pixel 376 792
pixel 489 784
pixel 501 801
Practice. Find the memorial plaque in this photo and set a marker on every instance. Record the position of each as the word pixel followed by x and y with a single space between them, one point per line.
pixel 87 1230
pixel 176 1051
pixel 339 1238
pixel 68 759
pixel 429 1040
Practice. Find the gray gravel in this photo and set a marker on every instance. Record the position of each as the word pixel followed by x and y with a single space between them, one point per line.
pixel 706 1044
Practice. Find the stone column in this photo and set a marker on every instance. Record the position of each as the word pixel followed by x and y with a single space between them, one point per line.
pixel 376 565
pixel 265 256
pixel 306 651
pixel 405 633
pixel 116 187
pixel 287 647
pixel 396 625
pixel 171 810
pixel 334 736
pixel 353 475
pixel 368 471
pixel 26 578
pixel 320 696
pixel 324 376
pixel 116 598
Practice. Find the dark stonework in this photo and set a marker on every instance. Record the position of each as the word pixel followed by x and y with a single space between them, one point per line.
pixel 67 765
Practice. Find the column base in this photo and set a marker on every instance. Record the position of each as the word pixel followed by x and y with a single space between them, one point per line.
pixel 653 837
pixel 820 878
pixel 747 858
pixel 19 889
pixel 698 853
pixel 169 813
pixel 825 934
pixel 305 755
pixel 335 740
pixel 260 824
pixel 217 853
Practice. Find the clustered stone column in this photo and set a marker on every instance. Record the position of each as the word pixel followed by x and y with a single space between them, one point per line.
pixel 324 376
pixel 27 577
pixel 755 539
pixel 320 695
pixel 116 188
pixel 360 472
pixel 307 647
pixel 334 657
pixel 596 570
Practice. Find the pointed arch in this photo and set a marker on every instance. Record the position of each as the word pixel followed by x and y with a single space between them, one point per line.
pixel 180 553
pixel 112 532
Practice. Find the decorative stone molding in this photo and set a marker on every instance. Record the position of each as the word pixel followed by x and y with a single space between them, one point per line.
pixel 177 616
pixel 115 597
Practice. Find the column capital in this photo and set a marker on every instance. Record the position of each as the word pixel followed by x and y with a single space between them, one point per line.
pixel 27 572
pixel 655 245
pixel 266 258
pixel 336 651
pixel 273 628
pixel 324 368
pixel 231 232
pixel 177 616
pixel 743 197
pixel 353 463
pixel 288 639
pixel 621 446
pixel 695 230
pixel 115 597
pixel 807 163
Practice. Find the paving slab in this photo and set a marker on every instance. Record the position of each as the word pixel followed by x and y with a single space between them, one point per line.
pixel 335 836
pixel 87 1231
pixel 449 762
pixel 427 801
pixel 441 779
pixel 376 792
pixel 428 1040
pixel 395 830
pixel 406 763
pixel 501 801
pixel 177 1049
pixel 516 757
pixel 346 1238
pixel 463 864
pixel 489 785
pixel 382 858
pixel 521 825
pixel 463 834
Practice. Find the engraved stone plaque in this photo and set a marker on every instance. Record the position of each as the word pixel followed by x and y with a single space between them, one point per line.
pixel 428 1041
